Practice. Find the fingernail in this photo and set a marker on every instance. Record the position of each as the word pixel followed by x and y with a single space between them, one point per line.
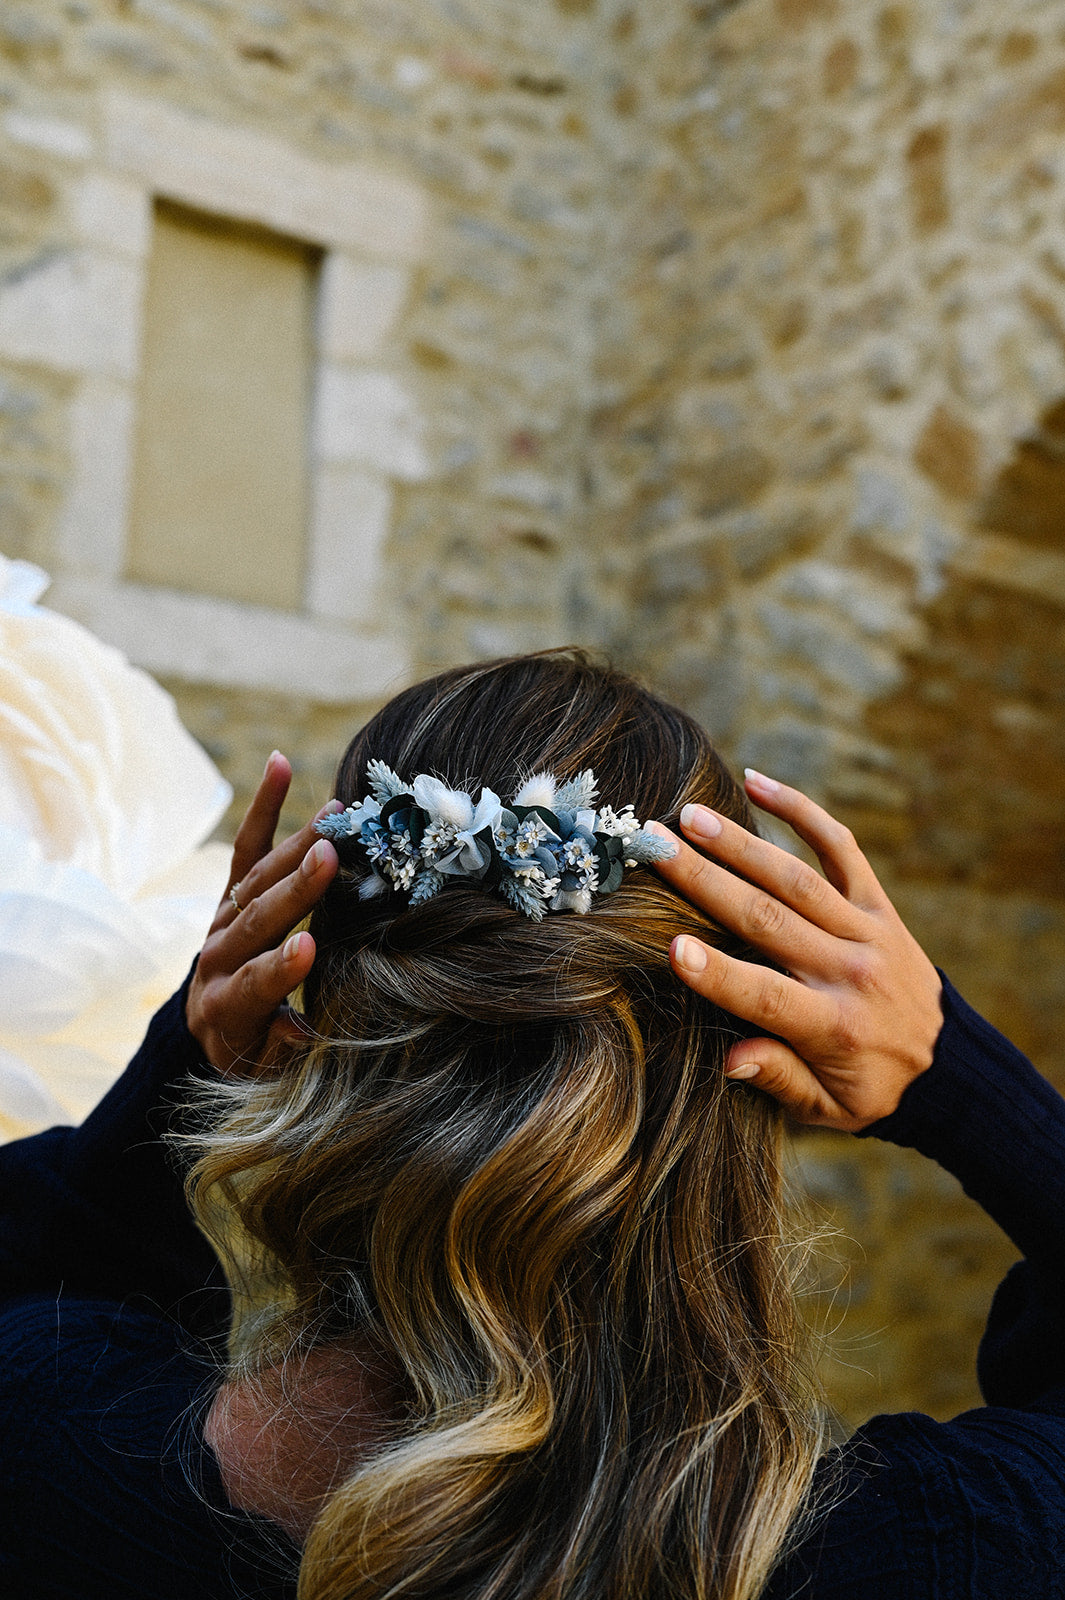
pixel 271 758
pixel 689 954
pixel 746 1069
pixel 314 858
pixel 330 809
pixel 760 781
pixel 291 948
pixel 700 820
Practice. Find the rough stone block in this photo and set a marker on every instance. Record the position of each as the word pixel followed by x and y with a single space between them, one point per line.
pixel 50 134
pixel 359 302
pixel 792 751
pixel 527 488
pixel 841 67
pixel 91 534
pixel 368 419
pixel 239 172
pixel 1009 564
pixel 926 158
pixel 351 519
pixel 822 642
pixel 881 503
pixel 948 452
pixel 876 608
pixel 78 312
pixel 112 214
pixel 735 476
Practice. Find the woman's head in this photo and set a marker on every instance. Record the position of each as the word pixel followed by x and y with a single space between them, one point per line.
pixel 510 1164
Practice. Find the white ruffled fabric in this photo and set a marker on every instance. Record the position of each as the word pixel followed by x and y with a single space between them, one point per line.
pixel 106 887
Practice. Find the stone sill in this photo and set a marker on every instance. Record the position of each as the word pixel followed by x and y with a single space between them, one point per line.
pixel 204 640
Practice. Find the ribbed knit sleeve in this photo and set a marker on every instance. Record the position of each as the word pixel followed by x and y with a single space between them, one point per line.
pixel 984 1113
pixel 100 1209
pixel 974 1508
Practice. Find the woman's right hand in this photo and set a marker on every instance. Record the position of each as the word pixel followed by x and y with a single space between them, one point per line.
pixel 249 965
pixel 858 1001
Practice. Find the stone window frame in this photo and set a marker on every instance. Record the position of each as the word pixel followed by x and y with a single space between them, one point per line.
pixel 78 311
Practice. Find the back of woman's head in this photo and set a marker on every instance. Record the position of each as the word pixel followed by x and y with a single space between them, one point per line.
pixel 510 1165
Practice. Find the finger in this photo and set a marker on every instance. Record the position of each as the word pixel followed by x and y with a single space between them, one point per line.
pixel 844 863
pixel 255 836
pixel 783 875
pixel 243 1007
pixel 268 917
pixel 758 917
pixel 779 1072
pixel 282 860
pixel 264 984
pixel 768 999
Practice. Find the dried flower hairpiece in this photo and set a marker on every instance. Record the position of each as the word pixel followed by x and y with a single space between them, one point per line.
pixel 549 850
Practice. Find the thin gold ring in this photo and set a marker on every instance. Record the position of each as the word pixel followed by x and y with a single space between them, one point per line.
pixel 233 897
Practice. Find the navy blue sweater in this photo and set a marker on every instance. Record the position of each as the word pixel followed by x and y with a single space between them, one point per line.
pixel 112 1303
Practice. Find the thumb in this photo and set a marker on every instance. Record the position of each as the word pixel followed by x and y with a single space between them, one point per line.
pixel 772 1066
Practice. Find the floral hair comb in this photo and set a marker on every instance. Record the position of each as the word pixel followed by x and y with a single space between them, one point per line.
pixel 548 850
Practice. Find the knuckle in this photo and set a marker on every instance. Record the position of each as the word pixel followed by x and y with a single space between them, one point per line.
pixel 766 916
pixel 249 984
pixel 805 885
pixel 252 913
pixel 772 1003
pixel 839 834
pixel 863 972
pixel 848 1038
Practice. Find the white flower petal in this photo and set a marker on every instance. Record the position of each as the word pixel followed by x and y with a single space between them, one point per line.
pixel 449 805
pixel 489 812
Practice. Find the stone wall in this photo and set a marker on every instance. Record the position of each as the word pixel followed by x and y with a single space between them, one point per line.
pixel 728 337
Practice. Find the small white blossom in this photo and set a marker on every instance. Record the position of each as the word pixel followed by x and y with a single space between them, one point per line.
pixel 578 856
pixel 530 836
pixel 617 824
pixel 438 836
pixel 403 873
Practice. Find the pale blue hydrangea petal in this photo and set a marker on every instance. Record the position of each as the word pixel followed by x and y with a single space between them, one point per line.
pixel 489 812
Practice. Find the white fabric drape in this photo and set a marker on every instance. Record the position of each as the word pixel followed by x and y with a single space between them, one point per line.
pixel 106 886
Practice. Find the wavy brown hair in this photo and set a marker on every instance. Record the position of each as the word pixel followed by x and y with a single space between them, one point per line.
pixel 509 1163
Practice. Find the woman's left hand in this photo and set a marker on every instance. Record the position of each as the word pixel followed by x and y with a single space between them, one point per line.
pixel 856 1011
pixel 249 965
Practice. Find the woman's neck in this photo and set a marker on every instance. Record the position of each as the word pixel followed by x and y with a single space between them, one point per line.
pixel 284 1438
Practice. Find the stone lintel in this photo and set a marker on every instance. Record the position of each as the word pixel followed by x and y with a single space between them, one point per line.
pixel 255 177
